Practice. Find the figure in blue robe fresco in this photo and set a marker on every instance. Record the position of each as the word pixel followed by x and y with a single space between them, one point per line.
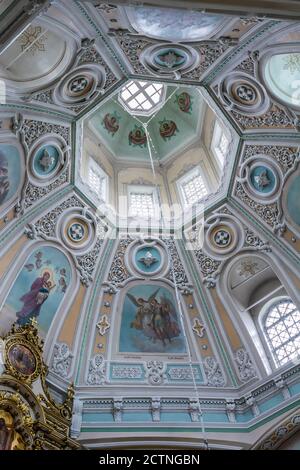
pixel 34 299
pixel 38 290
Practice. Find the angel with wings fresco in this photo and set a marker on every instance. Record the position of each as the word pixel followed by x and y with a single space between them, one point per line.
pixel 156 318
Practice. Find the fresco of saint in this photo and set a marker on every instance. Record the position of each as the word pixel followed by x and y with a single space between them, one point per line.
pixel 38 290
pixel 34 299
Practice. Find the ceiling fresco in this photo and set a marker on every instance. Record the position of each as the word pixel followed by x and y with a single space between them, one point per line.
pixel 124 134
pixel 115 115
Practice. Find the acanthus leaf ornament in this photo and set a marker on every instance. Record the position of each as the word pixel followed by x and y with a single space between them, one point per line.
pixel 155 372
pixel 213 372
pixel 245 365
pixel 96 372
pixel 62 359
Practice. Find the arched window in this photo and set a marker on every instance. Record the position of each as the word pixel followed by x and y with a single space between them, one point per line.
pixel 282 329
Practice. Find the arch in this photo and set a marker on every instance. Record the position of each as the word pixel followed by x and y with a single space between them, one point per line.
pixel 38 56
pixel 279 435
pixel 279 70
pixel 248 281
pixel 180 25
pixel 279 319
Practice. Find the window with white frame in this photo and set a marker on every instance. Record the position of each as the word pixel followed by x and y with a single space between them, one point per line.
pixel 219 143
pixel 143 201
pixel 192 186
pixel 281 325
pixel 142 97
pixel 98 179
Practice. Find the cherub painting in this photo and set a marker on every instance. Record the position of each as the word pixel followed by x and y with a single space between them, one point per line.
pixel 38 290
pixel 150 321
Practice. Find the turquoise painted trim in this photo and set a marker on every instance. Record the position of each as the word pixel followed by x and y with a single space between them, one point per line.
pixel 172 417
pixel 207 212
pixel 261 227
pixel 37 209
pixel 237 51
pixel 96 289
pixel 73 151
pixel 113 89
pixel 9 9
pixel 294 388
pixel 224 113
pixel 215 417
pixel 96 417
pixel 290 137
pixel 234 168
pixel 48 111
pixel 194 429
pixel 271 403
pixel 84 13
pixel 244 417
pixel 85 199
pixel 208 315
pixel 134 416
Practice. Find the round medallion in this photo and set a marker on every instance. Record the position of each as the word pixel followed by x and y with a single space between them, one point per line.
pixel 22 359
pixel 244 93
pixel 45 161
pixel 170 58
pixel 77 231
pixel 77 228
pixel 163 60
pixel 262 179
pixel 78 85
pixel 222 238
pixel 223 235
pixel 148 259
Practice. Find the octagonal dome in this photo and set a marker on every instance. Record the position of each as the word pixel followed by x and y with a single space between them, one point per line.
pixel 173 151
pixel 121 116
pixel 128 134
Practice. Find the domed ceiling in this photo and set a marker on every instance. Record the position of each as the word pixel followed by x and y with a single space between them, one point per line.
pixel 111 116
pixel 124 134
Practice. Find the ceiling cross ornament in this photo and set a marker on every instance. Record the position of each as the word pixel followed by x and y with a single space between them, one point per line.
pixel 248 268
pixel 198 328
pixel 103 325
pixel 33 40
